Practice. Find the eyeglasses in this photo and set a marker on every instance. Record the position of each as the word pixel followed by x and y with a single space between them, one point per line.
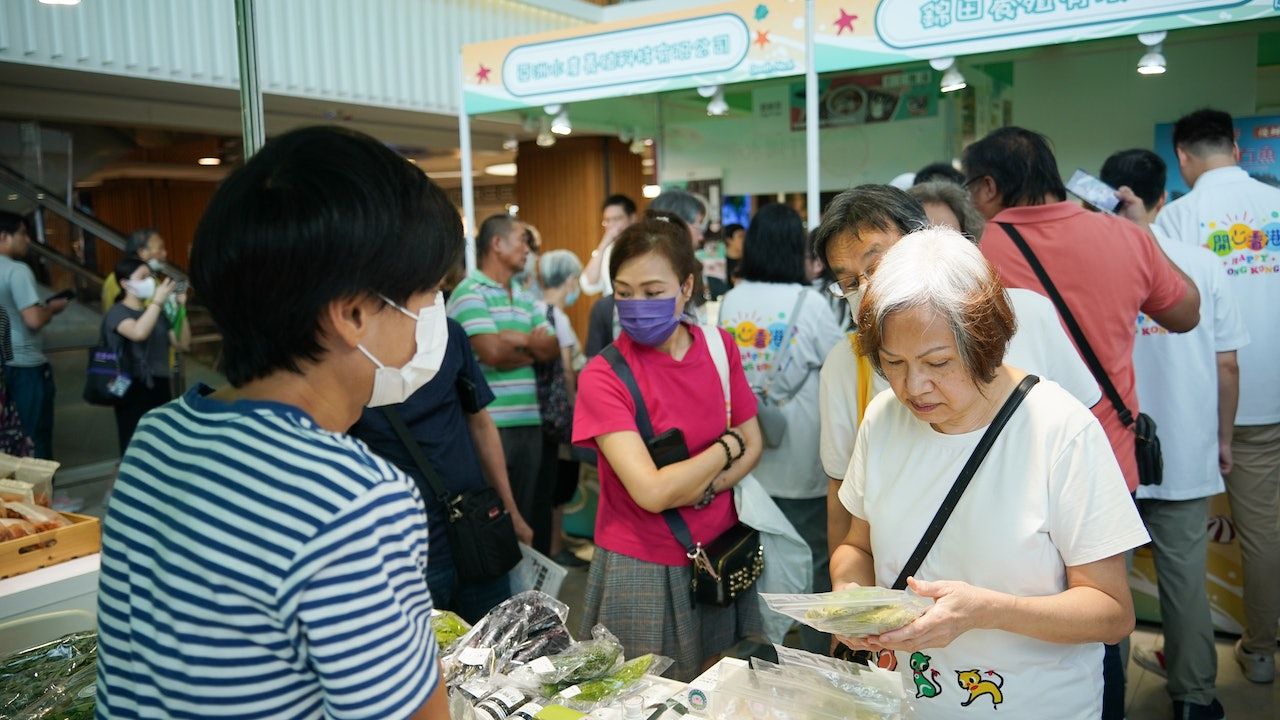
pixel 971 181
pixel 843 288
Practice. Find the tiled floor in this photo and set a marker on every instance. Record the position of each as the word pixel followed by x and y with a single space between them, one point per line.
pixel 1243 700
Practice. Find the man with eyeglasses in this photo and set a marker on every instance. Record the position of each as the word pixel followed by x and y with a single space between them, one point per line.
pixel 857 229
pixel 617 214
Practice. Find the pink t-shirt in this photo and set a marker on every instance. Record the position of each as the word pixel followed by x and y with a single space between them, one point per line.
pixel 684 394
pixel 1107 270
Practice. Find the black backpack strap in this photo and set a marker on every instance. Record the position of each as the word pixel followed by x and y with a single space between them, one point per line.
pixel 620 368
pixel 1090 359
pixel 962 481
pixel 435 486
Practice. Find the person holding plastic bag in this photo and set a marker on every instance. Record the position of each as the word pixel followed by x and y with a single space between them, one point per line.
pixel 1027 573
pixel 639 583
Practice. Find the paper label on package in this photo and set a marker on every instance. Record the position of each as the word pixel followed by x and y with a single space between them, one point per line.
pixel 571 692
pixel 475 656
pixel 543 666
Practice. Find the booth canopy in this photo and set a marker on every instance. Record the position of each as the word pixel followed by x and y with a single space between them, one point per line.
pixel 747 40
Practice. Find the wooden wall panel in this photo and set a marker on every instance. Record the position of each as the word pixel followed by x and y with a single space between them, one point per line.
pixel 173 207
pixel 560 190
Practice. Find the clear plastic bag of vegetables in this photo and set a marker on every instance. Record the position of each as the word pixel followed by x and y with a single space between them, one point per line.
pixel 852 612
pixel 626 680
pixel 55 679
pixel 448 627
pixel 581 661
pixel 523 628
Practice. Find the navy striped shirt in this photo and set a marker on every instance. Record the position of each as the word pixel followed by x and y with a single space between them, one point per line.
pixel 255 565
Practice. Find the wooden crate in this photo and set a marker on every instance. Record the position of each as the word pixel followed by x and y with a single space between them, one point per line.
pixel 82 537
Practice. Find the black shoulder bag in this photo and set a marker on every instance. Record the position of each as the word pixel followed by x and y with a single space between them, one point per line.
pixel 1146 443
pixel 482 537
pixel 730 564
pixel 953 498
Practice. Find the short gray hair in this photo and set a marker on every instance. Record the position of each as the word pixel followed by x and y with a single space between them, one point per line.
pixel 945 192
pixel 937 268
pixel 686 205
pixel 557 266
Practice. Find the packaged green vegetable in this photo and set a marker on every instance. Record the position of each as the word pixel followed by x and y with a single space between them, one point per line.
pixel 592 693
pixel 448 627
pixel 853 612
pixel 582 661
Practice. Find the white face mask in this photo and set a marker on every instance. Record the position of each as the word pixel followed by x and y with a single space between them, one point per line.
pixel 155 265
pixel 392 386
pixel 143 289
pixel 855 302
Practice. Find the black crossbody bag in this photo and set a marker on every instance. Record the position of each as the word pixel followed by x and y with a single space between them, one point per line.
pixel 1146 442
pixel 952 499
pixel 731 563
pixel 482 536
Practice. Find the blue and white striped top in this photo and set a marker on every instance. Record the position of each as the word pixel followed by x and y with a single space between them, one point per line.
pixel 255 565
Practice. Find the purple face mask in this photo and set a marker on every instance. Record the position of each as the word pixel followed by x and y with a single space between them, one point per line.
pixel 648 322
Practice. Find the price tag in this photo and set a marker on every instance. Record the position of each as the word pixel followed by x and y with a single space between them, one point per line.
pixel 475 656
pixel 543 666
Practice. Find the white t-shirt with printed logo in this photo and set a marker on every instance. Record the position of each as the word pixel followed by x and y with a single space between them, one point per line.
pixel 1238 219
pixel 1039 346
pixel 757 315
pixel 1178 378
pixel 1049 495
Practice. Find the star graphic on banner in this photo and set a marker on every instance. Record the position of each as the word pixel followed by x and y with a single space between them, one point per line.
pixel 845 22
pixel 482 75
pixel 762 37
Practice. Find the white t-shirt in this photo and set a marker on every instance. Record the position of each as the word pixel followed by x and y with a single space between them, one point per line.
pixel 1040 346
pixel 1178 378
pixel 757 315
pixel 563 327
pixel 603 286
pixel 1050 495
pixel 1238 218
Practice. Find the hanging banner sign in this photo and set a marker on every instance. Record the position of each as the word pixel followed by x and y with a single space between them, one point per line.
pixel 714 44
pixel 920 23
pixel 747 40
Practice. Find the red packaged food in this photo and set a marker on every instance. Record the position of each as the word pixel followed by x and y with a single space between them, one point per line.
pixel 13 528
pixel 41 517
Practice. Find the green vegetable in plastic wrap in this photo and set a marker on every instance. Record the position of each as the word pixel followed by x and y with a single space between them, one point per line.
pixel 889 616
pixel 594 691
pixel 449 628
pixel 54 681
pixel 586 660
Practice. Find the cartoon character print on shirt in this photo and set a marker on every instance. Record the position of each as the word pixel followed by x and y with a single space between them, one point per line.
pixel 758 339
pixel 924 676
pixel 1247 245
pixel 973 682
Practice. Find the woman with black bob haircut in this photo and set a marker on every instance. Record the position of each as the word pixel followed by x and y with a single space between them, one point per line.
pixel 320 261
pixel 784 329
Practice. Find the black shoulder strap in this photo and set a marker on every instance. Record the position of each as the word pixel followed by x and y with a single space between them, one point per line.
pixel 620 368
pixel 1090 359
pixel 434 484
pixel 962 481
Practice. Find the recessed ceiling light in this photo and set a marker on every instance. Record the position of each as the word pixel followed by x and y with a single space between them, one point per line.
pixel 209 161
pixel 59 2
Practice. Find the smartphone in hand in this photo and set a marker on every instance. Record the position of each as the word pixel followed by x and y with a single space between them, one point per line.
pixel 64 295
pixel 1093 191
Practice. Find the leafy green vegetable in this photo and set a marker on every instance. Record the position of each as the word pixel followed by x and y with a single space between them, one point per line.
pixel 449 628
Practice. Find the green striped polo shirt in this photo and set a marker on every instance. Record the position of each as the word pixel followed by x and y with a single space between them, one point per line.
pixel 483 307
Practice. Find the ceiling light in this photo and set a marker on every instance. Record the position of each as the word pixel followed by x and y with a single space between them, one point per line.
pixel 561 125
pixel 13 196
pixel 513 209
pixel 651 191
pixel 952 79
pixel 59 2
pixel 511 144
pixel 648 141
pixel 647 162
pixel 545 137
pixel 707 91
pixel 552 109
pixel 501 169
pixel 717 106
pixel 637 146
pixel 211 161
pixel 1152 62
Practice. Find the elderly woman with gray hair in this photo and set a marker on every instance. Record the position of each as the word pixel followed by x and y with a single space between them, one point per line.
pixel 558 273
pixel 1027 572
pixel 946 203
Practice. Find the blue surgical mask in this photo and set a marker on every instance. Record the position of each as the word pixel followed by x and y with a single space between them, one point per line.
pixel 648 322
pixel 572 297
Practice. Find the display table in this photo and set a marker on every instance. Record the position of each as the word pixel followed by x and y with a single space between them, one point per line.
pixel 72 585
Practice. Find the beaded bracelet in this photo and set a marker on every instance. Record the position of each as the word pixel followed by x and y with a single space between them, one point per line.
pixel 728 453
